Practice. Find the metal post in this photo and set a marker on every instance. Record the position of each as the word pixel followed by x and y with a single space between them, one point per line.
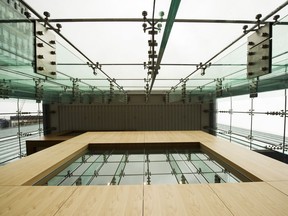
pixel 39 121
pixel 230 127
pixel 19 129
pixel 251 123
pixel 284 132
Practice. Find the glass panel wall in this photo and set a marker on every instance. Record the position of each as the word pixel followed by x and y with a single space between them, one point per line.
pixel 257 123
pixel 20 120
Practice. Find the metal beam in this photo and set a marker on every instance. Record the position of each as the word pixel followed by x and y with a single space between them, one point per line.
pixel 219 21
pixel 131 20
pixel 168 27
pixel 141 64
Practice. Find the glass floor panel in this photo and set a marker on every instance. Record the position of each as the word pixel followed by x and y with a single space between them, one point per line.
pixel 168 167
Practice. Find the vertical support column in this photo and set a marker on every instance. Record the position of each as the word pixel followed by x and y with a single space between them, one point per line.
pixel 184 93
pixel 230 126
pixel 250 137
pixel 39 119
pixel 284 132
pixel 19 129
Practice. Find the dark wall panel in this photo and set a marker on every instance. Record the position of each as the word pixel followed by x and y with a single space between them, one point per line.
pixel 129 117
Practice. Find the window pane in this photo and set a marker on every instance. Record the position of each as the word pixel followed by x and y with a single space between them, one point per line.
pixel 56 180
pixel 200 178
pixel 191 167
pixel 91 170
pixel 191 179
pixel 210 177
pixel 115 158
pixel 70 168
pixel 159 167
pixel 213 166
pixel 108 169
pixel 134 168
pixel 81 169
pixel 70 180
pixel 183 167
pixel 201 165
pixel 92 158
pixel 136 157
pixel 227 177
pixel 101 180
pixel 131 180
pixel 176 157
pixel 163 179
pixel 157 157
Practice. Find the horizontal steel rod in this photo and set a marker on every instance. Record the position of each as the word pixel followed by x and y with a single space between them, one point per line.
pixel 164 20
pixel 140 64
pixel 107 20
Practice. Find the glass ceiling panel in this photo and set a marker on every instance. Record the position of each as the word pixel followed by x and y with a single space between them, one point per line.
pixel 121 48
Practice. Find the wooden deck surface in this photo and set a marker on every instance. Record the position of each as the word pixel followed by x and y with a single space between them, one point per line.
pixel 269 197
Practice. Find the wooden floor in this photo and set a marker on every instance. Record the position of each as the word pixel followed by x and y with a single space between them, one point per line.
pixel 269 196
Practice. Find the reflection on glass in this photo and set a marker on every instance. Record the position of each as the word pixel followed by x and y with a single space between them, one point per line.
pixel 166 168
pixel 101 180
pixel 81 169
pixel 136 157
pixel 163 179
pixel 159 167
pixel 134 168
pixel 70 180
pixel 191 179
pixel 256 122
pixel 93 169
pixel 183 167
pixel 115 158
pixel 56 180
pixel 70 168
pixel 157 157
pixel 108 169
pixel 132 180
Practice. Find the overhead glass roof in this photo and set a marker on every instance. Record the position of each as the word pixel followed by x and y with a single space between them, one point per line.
pixel 109 34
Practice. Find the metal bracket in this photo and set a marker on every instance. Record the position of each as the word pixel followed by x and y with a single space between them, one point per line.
pixel 184 92
pixel 253 87
pixel 5 89
pixel 259 52
pixel 45 51
pixel 219 87
pixel 75 89
pixel 38 90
